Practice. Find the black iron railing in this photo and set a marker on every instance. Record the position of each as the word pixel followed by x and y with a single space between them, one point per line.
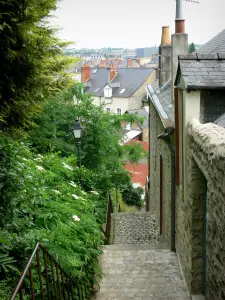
pixel 109 211
pixel 147 194
pixel 43 278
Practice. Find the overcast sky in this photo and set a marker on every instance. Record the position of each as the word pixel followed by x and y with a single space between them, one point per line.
pixel 133 24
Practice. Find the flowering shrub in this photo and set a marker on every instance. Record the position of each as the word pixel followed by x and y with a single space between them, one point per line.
pixel 40 201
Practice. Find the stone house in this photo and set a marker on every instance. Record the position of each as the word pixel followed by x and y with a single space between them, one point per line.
pixel 187 160
pixel 117 89
pixel 141 127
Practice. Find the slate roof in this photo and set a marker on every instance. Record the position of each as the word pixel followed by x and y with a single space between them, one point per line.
pixel 141 113
pixel 202 71
pixel 215 45
pixel 130 79
pixel 161 98
pixel 220 121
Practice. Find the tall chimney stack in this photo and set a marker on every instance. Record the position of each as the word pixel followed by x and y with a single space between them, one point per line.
pixel 85 73
pixel 179 22
pixel 179 40
pixel 112 72
pixel 165 57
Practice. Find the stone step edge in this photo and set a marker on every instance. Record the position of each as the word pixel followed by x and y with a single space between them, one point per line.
pixel 115 247
pixel 137 213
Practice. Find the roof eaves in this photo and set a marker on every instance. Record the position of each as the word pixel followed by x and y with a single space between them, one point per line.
pixel 155 101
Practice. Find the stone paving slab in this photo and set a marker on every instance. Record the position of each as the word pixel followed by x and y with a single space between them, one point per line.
pixel 134 228
pixel 141 273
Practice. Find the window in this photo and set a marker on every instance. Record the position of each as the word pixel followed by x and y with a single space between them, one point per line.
pixel 107 109
pixel 122 91
pixel 118 111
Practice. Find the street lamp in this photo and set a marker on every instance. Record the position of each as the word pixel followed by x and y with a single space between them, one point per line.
pixel 77 131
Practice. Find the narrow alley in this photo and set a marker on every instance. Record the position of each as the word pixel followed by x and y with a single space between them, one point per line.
pixel 141 268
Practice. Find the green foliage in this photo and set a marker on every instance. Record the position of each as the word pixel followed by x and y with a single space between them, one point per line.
pixel 191 48
pixel 32 61
pixel 132 196
pixel 119 203
pixel 45 204
pixel 101 151
pixel 6 262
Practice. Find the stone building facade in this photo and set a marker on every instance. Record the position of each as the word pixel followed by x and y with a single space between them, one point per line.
pixel 200 234
pixel 160 174
pixel 135 101
pixel 176 124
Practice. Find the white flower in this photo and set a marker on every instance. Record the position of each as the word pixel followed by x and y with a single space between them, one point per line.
pixel 38 159
pixel 57 192
pixel 76 218
pixel 73 184
pixel 67 166
pixel 94 192
pixel 75 196
pixel 23 158
pixel 40 156
pixel 40 168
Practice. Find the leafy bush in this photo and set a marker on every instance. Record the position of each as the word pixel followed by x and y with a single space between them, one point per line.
pixel 132 196
pixel 45 204
pixel 121 204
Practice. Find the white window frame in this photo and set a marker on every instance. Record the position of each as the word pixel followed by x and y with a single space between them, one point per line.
pixel 117 111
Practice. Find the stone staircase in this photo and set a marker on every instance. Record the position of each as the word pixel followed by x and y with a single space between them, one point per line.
pixel 136 266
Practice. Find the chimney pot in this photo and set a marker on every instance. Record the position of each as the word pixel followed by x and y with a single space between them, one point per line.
pixel 165 36
pixel 85 73
pixel 129 63
pixel 112 71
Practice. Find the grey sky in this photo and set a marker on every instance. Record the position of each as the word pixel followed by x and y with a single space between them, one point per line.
pixel 132 24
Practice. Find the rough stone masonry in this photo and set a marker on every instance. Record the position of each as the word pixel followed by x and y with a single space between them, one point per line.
pixel 134 228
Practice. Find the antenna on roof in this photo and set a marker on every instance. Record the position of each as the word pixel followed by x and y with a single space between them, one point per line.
pixel 179 28
pixel 193 1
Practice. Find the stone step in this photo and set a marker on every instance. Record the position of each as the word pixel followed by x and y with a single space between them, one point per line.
pixel 131 247
pixel 134 228
pixel 140 272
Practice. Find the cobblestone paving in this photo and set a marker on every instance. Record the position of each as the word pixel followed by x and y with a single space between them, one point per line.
pixel 134 228
pixel 140 272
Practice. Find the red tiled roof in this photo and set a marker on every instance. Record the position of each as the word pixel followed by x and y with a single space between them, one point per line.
pixel 138 173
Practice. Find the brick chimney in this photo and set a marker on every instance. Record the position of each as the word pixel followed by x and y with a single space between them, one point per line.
pixel 112 72
pixel 102 63
pixel 129 63
pixel 179 39
pixel 165 57
pixel 120 61
pixel 85 73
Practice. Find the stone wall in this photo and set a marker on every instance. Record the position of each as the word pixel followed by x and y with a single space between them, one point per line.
pixel 205 184
pixel 134 228
pixel 160 148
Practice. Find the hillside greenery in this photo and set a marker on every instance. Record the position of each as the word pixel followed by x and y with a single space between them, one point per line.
pixel 40 194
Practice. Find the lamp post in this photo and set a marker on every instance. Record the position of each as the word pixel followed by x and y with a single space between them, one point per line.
pixel 77 131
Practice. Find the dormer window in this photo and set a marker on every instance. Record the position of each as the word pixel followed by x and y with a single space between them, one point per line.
pixel 122 91
pixel 107 91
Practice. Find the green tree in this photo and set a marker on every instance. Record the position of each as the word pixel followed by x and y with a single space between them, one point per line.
pixel 192 48
pixel 101 150
pixel 32 64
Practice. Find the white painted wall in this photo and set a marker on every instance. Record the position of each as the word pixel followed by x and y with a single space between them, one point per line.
pixel 191 105
pixel 191 109
pixel 113 103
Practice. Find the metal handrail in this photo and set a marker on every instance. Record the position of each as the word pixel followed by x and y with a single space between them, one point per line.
pixel 108 217
pixel 54 283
